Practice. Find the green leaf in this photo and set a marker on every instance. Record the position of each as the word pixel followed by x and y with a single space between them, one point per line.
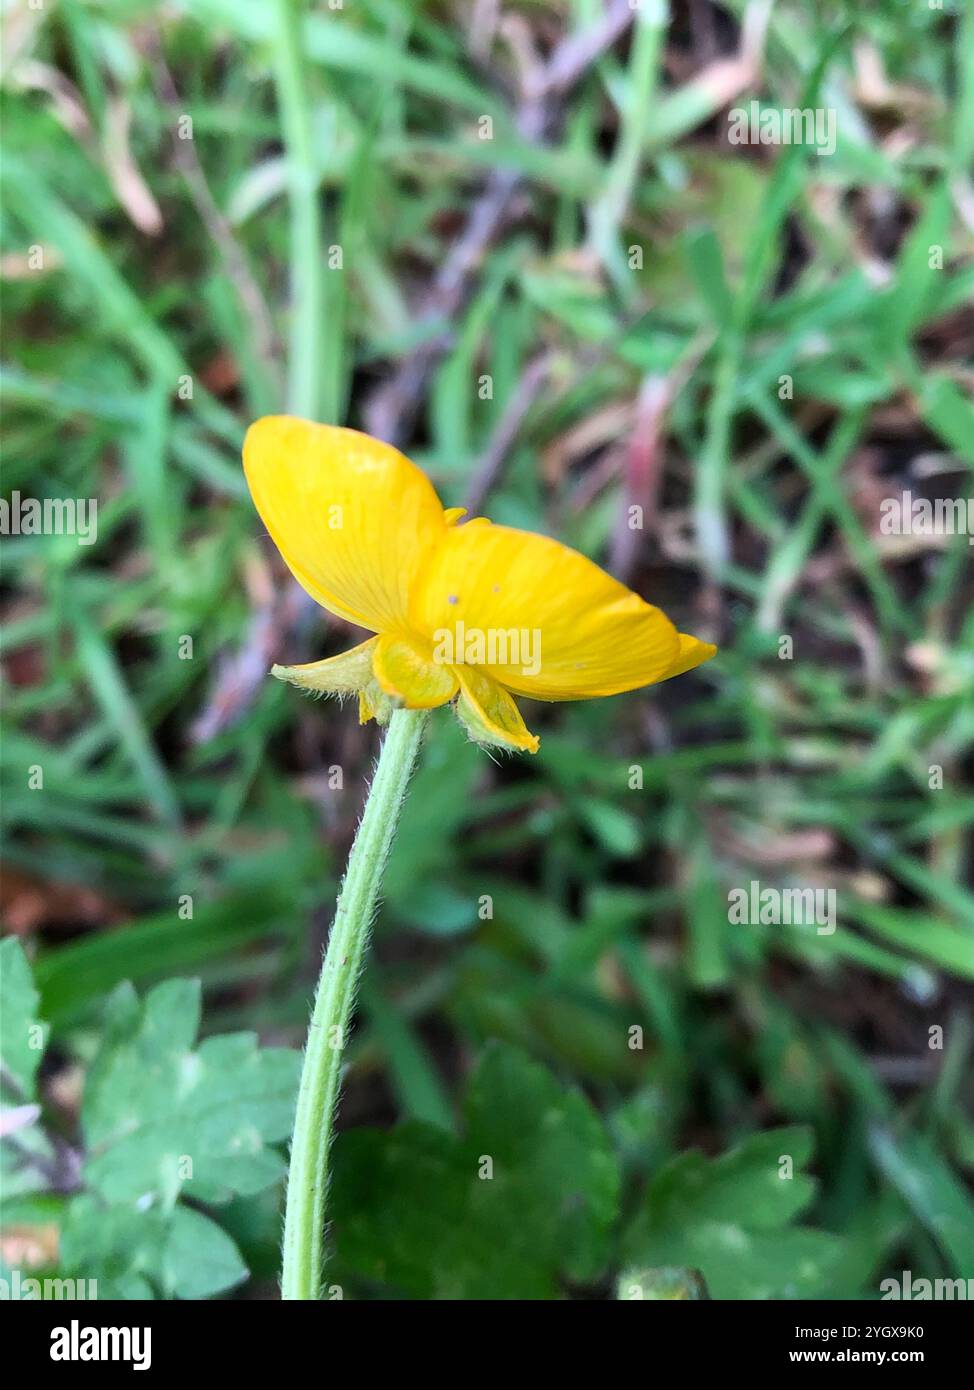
pixel 616 831
pixel 526 1199
pixel 706 262
pixel 119 1248
pixel 923 934
pixel 932 1191
pixel 199 1258
pixel 21 1036
pixel 159 1116
pixel 948 412
pixel 729 1218
pixel 74 978
pixel 133 1253
pixel 904 304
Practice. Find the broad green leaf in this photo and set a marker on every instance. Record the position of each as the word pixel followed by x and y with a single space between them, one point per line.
pixel 521 1203
pixel 21 1036
pixel 159 1115
pixel 137 1254
pixel 759 1182
pixel 118 1247
pixel 729 1218
pixel 199 1258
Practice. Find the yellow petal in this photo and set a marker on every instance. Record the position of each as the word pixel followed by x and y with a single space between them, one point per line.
pixel 552 624
pixel 338 675
pixel 693 653
pixel 489 714
pixel 407 672
pixel 353 518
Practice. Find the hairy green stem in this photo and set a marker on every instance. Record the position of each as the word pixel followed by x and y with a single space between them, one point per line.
pixel 304 1222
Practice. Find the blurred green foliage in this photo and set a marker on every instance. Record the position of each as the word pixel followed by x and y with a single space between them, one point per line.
pixel 537 912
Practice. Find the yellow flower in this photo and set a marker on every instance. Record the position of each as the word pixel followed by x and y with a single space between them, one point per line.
pixel 471 612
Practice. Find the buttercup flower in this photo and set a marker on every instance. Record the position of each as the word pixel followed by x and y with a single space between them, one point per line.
pixel 463 611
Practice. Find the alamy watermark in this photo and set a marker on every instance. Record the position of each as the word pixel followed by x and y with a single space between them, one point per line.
pixel 81 1343
pixel 768 125
pixel 907 515
pixel 755 906
pixel 50 516
pixel 925 1290
pixel 20 1288
pixel 493 646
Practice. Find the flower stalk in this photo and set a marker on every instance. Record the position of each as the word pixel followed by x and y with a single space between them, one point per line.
pixel 304 1222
